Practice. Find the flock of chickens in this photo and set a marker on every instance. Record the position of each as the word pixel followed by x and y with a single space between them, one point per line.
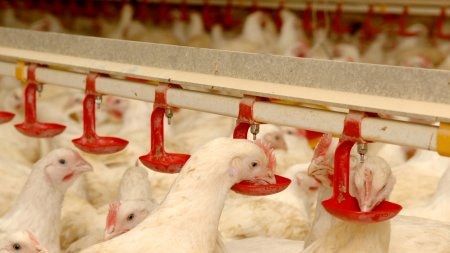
pixel 413 47
pixel 55 199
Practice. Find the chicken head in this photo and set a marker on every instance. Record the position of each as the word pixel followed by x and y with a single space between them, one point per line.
pixel 116 106
pixel 124 216
pixel 62 166
pixel 21 242
pixel 372 181
pixel 322 163
pixel 256 166
pixel 271 135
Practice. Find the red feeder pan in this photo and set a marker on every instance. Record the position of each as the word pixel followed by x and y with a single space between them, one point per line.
pixel 251 189
pixel 243 123
pixel 90 142
pixel 6 117
pixel 31 127
pixel 342 205
pixel 158 159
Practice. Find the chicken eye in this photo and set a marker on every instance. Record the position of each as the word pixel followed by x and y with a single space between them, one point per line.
pixel 16 246
pixel 130 217
pixel 254 164
pixel 117 101
pixel 62 161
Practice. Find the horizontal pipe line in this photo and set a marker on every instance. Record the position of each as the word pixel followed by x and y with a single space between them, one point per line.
pixel 373 129
pixel 421 8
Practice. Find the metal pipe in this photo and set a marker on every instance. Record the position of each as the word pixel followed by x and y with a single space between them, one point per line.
pixel 373 129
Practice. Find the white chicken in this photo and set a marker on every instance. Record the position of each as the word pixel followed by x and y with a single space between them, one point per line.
pixel 38 206
pixel 175 226
pixel 417 179
pixel 375 53
pixel 117 31
pixel 14 176
pixel 394 155
pixel 297 151
pixel 290 34
pixel 430 235
pixel 302 192
pixel 346 52
pixel 9 19
pixel 203 128
pixel 196 35
pixel 48 23
pixel 20 242
pixel 134 205
pixel 271 135
pixel 436 208
pixel 264 244
pixel 138 31
pixel 247 217
pixel 372 182
pixel 134 124
pixel 288 210
pixel 242 217
pixel 321 48
pixel 333 236
pixel 252 39
pixel 27 149
pixel 99 195
pixel 80 222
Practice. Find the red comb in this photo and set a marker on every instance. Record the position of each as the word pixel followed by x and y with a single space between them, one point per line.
pixel 323 145
pixel 111 219
pixel 269 153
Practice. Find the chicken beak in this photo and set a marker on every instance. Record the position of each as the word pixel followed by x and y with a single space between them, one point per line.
pixel 270 178
pixel 366 205
pixel 109 234
pixel 367 200
pixel 40 249
pixel 83 166
pixel 113 232
pixel 365 208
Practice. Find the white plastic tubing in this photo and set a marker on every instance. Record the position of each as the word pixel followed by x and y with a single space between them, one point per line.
pixel 373 129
